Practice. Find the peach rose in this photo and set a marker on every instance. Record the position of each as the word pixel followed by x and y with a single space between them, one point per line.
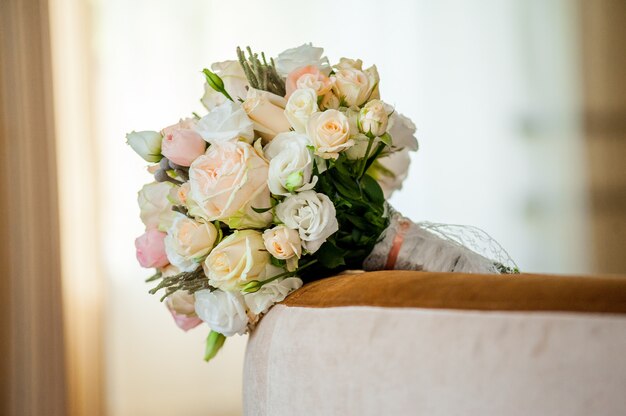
pixel 181 143
pixel 227 182
pixel 151 249
pixel 307 77
pixel 266 110
pixel 330 133
pixel 354 86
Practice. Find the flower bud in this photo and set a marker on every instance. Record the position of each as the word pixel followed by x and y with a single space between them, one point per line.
pixel 147 144
pixel 373 118
pixel 252 287
pixel 213 80
pixel 214 343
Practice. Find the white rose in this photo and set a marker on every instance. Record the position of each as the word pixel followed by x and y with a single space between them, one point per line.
pixel 312 214
pixel 147 144
pixel 237 259
pixel 270 293
pixel 330 133
pixel 188 241
pixel 361 142
pixel 301 104
pixel 284 244
pixel 291 164
pixel 391 171
pixel 228 182
pixel 373 118
pixel 303 55
pixel 354 86
pixel 402 132
pixel 224 312
pixel 155 208
pixel 235 83
pixel 266 110
pixel 226 122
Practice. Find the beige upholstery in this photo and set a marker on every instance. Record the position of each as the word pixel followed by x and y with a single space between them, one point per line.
pixel 377 360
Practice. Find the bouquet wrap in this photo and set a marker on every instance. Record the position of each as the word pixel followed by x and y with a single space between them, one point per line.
pixel 406 245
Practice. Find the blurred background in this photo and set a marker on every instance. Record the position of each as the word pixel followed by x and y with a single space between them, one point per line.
pixel 520 107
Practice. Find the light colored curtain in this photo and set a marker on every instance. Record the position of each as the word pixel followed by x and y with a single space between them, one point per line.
pixel 73 74
pixel 32 354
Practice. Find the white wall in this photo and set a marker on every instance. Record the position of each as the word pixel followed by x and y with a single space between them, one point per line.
pixel 492 86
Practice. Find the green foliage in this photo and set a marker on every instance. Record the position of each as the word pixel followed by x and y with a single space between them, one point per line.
pixel 188 281
pixel 360 207
pixel 261 74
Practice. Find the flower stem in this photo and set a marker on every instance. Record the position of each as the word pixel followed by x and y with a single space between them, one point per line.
pixel 367 153
pixel 286 274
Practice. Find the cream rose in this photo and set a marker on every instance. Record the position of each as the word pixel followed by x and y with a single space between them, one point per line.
pixel 312 214
pixel 347 63
pixel 227 182
pixel 224 312
pixel 188 241
pixel 302 103
pixel 266 110
pixel 226 122
pixel 237 259
pixel 235 83
pixel 291 164
pixel 284 244
pixel 329 101
pixel 373 118
pixel 294 58
pixel 330 133
pixel 270 293
pixel 155 208
pixel 354 86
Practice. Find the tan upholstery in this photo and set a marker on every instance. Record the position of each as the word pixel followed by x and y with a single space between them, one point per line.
pixel 411 343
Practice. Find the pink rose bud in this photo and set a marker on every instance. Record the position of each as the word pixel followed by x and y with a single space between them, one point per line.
pixel 181 143
pixel 151 249
pixel 181 306
pixel 185 322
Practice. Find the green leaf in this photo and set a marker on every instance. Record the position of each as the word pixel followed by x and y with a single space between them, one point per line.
pixel 386 138
pixel 345 185
pixel 372 189
pixel 358 221
pixel 330 256
pixel 261 210
pixel 277 262
pixel 214 343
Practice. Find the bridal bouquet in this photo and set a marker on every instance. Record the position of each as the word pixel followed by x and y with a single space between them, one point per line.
pixel 284 180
